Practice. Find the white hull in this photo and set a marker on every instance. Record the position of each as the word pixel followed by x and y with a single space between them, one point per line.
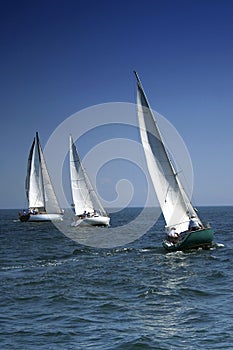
pixel 44 217
pixel 92 221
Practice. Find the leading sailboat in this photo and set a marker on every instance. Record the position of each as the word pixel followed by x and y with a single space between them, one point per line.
pixel 42 202
pixel 184 228
pixel 87 206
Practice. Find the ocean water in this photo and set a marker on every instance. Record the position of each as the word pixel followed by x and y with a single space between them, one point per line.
pixel 59 294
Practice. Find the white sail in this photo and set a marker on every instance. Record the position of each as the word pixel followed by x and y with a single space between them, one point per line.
pixel 174 202
pixel 39 189
pixel 34 182
pixel 84 196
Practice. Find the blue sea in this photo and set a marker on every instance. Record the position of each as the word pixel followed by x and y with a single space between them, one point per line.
pixel 58 294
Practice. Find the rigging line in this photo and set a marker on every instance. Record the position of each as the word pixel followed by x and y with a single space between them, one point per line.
pixel 187 202
pixel 187 188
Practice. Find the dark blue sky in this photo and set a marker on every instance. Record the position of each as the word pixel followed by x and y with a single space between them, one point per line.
pixel 58 57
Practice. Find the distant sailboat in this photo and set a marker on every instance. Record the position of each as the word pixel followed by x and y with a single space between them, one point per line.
pixel 42 201
pixel 87 206
pixel 178 212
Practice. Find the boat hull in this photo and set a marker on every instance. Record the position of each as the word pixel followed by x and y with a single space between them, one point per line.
pixel 92 221
pixel 192 240
pixel 40 217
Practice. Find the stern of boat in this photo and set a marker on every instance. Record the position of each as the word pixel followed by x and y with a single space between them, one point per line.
pixel 192 240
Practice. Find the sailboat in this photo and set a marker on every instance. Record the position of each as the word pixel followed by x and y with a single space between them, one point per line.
pixel 178 212
pixel 87 206
pixel 42 202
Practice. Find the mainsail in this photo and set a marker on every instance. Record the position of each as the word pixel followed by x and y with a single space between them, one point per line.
pixel 39 189
pixel 84 196
pixel 174 202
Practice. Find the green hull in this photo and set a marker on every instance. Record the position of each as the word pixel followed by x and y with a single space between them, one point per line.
pixel 191 240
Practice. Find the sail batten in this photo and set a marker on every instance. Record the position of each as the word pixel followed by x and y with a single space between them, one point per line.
pixel 174 202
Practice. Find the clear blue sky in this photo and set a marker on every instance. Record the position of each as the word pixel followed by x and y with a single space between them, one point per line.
pixel 58 57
